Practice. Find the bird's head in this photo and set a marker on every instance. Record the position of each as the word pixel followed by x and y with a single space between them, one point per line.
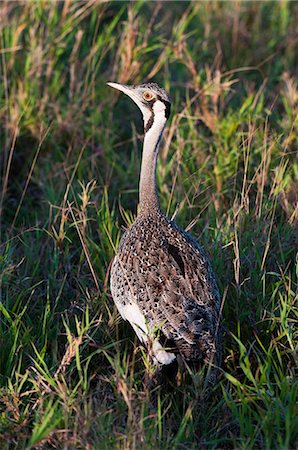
pixel 152 100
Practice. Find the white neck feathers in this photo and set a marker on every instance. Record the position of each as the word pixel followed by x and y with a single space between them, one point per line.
pixel 148 193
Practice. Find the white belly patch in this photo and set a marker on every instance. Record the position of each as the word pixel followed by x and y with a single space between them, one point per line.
pixel 132 313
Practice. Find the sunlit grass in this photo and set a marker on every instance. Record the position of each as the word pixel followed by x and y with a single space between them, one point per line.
pixel 72 373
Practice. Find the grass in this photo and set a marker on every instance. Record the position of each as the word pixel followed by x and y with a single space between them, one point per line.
pixel 72 374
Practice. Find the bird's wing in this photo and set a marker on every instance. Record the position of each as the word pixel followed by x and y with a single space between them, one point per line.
pixel 181 295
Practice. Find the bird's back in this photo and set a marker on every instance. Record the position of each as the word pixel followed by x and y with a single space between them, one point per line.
pixel 162 283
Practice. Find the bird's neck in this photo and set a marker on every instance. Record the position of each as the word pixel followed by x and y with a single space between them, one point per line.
pixel 149 202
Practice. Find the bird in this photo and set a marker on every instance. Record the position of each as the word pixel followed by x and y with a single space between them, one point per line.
pixel 161 280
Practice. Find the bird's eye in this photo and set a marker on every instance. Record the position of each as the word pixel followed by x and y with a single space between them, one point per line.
pixel 148 95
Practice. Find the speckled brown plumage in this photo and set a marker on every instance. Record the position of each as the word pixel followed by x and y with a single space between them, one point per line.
pixel 169 277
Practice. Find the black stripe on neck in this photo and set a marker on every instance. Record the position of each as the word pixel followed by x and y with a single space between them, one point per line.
pixel 167 105
pixel 151 118
pixel 150 122
pixel 168 108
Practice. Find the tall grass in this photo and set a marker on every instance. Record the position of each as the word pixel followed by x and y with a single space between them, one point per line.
pixel 72 374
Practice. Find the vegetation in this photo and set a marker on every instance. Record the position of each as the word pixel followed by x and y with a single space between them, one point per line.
pixel 72 374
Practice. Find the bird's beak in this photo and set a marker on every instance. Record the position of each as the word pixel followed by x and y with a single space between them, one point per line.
pixel 123 88
pixel 133 93
pixel 120 87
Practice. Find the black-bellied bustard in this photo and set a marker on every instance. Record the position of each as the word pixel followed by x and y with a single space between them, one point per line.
pixel 161 280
